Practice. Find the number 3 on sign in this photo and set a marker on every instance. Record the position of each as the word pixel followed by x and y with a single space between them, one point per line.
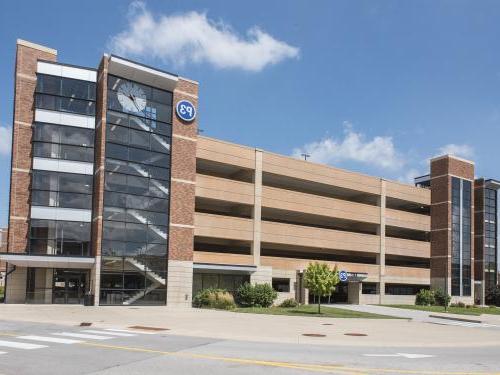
pixel 185 110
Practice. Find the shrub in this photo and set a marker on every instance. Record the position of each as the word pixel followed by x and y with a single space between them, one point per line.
pixel 459 304
pixel 442 298
pixel 493 296
pixel 259 295
pixel 290 302
pixel 425 297
pixel 245 295
pixel 265 295
pixel 215 299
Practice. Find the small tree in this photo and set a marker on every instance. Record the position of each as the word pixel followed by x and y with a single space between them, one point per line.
pixel 442 298
pixel 320 280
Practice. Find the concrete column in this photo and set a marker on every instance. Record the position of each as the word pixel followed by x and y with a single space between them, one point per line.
pixel 263 275
pixel 179 283
pixel 95 279
pixel 354 292
pixel 16 286
pixel 257 207
pixel 381 233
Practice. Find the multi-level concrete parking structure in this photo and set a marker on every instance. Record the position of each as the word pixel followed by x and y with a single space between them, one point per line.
pixel 115 196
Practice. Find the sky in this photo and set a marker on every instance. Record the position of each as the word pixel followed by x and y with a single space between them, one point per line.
pixel 378 87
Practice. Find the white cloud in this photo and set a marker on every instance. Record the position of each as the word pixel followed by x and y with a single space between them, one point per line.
pixel 464 151
pixel 379 151
pixel 192 37
pixel 5 140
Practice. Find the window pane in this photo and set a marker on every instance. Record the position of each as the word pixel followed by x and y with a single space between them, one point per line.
pixel 74 88
pixel 46 133
pixel 48 84
pixel 117 134
pixel 77 136
pixel 76 183
pixel 74 200
pixel 139 138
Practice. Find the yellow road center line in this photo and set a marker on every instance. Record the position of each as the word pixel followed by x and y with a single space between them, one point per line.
pixel 300 366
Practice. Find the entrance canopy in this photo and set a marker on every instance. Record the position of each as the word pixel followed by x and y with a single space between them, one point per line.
pixel 47 261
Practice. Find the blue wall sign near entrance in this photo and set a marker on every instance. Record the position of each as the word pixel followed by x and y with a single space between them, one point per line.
pixel 343 276
pixel 185 110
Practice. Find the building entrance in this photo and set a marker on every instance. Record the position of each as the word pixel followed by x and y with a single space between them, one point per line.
pixel 69 286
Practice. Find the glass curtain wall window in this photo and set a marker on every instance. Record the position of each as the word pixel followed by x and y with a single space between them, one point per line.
pixel 490 238
pixel 65 95
pixel 63 238
pixel 57 189
pixel 461 219
pixel 63 142
pixel 136 197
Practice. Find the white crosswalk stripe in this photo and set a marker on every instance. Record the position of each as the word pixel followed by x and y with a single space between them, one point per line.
pixel 21 345
pixel 128 331
pixel 118 334
pixel 3 353
pixel 56 340
pixel 83 336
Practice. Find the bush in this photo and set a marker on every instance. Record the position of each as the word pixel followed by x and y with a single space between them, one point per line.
pixel 290 302
pixel 493 296
pixel 265 295
pixel 215 299
pixel 258 295
pixel 442 298
pixel 458 304
pixel 425 297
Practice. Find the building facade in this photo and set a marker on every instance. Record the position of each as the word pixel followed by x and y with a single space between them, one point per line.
pixel 115 199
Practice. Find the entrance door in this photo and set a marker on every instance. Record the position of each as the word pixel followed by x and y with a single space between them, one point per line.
pixel 69 286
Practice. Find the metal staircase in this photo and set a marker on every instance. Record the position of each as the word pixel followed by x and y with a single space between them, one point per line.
pixel 157 280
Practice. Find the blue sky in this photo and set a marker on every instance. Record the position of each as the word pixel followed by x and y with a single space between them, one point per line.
pixel 373 86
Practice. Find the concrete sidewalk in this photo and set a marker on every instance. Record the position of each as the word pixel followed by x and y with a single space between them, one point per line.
pixel 260 328
pixel 418 315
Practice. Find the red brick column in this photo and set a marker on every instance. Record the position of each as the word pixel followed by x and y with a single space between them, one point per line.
pixel 182 196
pixel 442 170
pixel 27 55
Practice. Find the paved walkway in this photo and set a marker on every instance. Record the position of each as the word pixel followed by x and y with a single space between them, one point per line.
pixel 260 328
pixel 485 320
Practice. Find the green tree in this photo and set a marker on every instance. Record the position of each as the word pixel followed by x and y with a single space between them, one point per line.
pixel 320 280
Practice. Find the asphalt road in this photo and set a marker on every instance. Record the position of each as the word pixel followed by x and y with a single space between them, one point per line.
pixel 36 348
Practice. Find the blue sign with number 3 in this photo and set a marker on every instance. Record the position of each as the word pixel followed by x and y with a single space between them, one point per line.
pixel 343 276
pixel 185 110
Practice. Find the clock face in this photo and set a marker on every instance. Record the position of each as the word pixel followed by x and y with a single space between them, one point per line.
pixel 131 97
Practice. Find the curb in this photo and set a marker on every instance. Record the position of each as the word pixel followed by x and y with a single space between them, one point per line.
pixel 456 319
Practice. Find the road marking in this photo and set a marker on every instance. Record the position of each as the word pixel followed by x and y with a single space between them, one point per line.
pixel 128 331
pixel 404 355
pixel 21 345
pixel 119 334
pixel 50 339
pixel 83 336
pixel 300 366
pixel 3 353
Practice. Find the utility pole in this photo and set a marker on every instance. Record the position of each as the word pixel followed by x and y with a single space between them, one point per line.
pixel 305 156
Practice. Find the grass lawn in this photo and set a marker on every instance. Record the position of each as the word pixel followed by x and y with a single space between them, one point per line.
pixel 452 310
pixel 311 310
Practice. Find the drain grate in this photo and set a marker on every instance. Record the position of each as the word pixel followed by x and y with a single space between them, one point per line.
pixel 313 335
pixel 145 328
pixel 355 334
pixel 85 324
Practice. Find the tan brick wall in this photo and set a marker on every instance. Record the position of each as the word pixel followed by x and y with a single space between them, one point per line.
pixel 25 83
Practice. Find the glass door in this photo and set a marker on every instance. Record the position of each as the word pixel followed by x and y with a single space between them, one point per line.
pixel 69 286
